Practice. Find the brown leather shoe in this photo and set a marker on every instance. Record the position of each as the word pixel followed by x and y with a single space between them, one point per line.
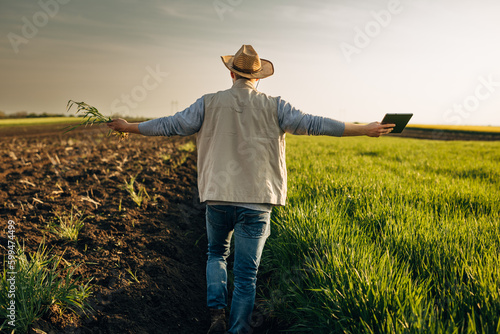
pixel 217 321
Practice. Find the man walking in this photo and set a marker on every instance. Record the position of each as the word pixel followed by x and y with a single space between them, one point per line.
pixel 241 173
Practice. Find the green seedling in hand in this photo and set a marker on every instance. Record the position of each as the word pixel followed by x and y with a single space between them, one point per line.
pixel 92 116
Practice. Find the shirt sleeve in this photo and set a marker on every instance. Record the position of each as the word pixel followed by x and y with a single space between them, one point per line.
pixel 183 123
pixel 296 122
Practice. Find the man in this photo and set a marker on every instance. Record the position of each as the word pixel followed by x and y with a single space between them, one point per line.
pixel 241 173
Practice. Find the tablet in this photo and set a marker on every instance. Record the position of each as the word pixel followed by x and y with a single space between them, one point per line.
pixel 399 119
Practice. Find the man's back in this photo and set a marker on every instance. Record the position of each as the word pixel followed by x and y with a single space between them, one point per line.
pixel 241 147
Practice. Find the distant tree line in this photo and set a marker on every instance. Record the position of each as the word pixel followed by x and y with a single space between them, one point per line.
pixel 25 114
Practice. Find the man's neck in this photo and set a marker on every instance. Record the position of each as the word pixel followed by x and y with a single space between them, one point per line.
pixel 242 83
pixel 253 81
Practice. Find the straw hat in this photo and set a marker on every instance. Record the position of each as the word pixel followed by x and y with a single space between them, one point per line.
pixel 246 62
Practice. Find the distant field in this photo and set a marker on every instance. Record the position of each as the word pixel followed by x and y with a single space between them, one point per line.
pixel 38 121
pixel 473 128
pixel 51 120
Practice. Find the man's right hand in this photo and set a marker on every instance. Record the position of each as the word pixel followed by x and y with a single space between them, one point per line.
pixel 376 129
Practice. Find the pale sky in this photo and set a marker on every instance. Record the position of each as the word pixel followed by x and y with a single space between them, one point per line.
pixel 349 60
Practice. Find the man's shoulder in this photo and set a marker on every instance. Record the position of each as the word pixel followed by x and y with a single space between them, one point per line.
pixel 210 96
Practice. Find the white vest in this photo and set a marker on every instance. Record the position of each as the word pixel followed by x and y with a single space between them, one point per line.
pixel 241 148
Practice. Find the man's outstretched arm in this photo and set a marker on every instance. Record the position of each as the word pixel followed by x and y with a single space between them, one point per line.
pixel 183 123
pixel 296 122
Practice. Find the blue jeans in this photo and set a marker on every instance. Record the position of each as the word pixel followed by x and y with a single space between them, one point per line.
pixel 251 229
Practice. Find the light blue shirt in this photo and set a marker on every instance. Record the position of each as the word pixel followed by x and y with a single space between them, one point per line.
pixel 291 120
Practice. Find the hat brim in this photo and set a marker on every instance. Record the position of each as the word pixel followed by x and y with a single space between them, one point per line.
pixel 267 68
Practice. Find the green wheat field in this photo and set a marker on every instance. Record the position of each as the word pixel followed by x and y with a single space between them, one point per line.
pixel 387 235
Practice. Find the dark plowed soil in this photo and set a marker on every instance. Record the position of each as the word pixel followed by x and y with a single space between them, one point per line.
pixel 162 242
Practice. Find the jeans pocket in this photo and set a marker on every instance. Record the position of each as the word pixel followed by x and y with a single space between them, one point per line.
pixel 256 225
pixel 216 217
